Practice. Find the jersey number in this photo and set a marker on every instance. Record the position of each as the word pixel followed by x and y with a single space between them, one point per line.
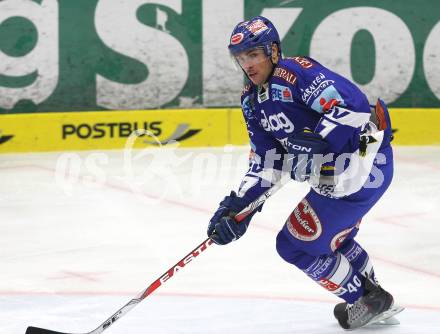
pixel 327 127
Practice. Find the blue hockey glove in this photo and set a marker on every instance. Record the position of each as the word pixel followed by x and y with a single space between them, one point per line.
pixel 301 147
pixel 223 228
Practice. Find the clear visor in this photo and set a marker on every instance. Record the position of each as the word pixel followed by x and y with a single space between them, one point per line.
pixel 249 57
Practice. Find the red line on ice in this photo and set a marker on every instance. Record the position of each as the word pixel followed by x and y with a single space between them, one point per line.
pixel 129 294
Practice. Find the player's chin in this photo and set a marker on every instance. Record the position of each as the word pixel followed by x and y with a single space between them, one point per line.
pixel 255 78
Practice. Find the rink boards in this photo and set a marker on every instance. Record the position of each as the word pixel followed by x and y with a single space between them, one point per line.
pixel 64 131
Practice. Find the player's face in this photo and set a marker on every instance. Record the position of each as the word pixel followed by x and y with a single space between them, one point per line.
pixel 256 64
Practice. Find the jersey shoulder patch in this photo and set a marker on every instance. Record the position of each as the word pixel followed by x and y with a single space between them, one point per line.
pixel 290 68
pixel 316 85
pixel 305 62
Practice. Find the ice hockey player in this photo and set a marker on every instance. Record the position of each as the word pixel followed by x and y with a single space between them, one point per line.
pixel 306 120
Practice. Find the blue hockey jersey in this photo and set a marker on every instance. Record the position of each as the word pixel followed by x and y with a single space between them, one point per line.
pixel 301 93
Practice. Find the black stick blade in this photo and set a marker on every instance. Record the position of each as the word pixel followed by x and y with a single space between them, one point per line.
pixel 36 330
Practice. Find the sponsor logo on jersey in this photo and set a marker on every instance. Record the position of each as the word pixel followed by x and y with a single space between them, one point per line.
pixel 315 88
pixel 246 106
pixel 281 93
pixel 304 62
pixel 263 95
pixel 5 138
pixel 339 238
pixel 125 129
pixel 257 27
pixel 328 98
pixel 332 287
pixel 299 148
pixel 321 268
pixel 326 190
pixel 276 122
pixel 353 254
pixel 237 38
pixel 285 75
pixel 303 223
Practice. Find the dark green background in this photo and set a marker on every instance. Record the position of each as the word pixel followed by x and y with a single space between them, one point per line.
pixel 82 55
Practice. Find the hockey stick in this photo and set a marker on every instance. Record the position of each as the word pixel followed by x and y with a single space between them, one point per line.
pixel 168 274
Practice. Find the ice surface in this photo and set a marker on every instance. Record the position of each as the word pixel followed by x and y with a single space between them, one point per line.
pixel 82 233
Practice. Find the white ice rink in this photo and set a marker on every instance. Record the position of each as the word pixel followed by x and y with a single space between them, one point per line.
pixel 82 234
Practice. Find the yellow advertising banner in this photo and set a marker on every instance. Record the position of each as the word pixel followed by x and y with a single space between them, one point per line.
pixel 70 131
pixel 415 126
pixel 112 129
